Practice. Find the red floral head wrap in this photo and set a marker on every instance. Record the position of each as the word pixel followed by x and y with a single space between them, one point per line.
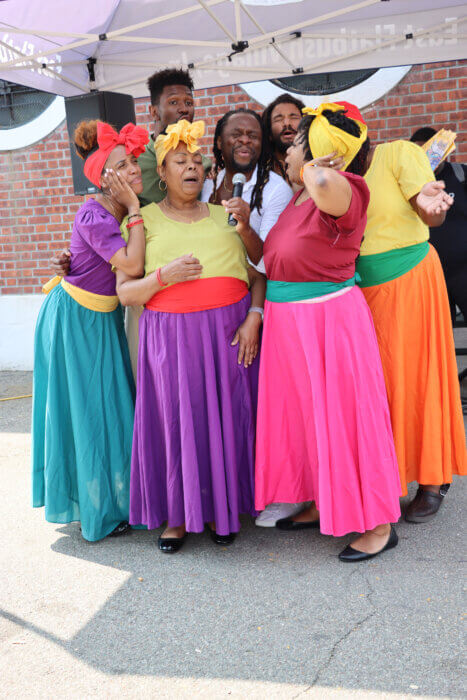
pixel 134 138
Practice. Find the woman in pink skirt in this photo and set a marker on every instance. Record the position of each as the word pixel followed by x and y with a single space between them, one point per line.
pixel 324 431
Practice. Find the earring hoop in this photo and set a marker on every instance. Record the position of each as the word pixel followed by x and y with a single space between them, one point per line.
pixel 162 182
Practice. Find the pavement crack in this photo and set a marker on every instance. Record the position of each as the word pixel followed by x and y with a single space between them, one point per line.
pixel 302 692
pixel 354 628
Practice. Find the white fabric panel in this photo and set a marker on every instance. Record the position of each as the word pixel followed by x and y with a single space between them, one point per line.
pixel 144 35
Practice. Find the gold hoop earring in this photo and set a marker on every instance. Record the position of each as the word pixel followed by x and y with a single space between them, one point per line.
pixel 162 182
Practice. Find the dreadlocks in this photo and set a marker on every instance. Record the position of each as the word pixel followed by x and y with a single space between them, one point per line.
pixel 264 162
pixel 339 119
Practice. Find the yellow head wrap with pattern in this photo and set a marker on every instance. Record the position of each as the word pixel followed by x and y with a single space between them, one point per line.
pixel 182 131
pixel 324 138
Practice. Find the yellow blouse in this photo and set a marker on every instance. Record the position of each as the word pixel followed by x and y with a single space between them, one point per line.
pixel 398 171
pixel 217 245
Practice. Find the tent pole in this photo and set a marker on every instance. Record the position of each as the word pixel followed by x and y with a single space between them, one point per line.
pixel 40 34
pixel 55 50
pixel 238 20
pixel 260 28
pixel 217 20
pixel 390 42
pixel 162 18
pixel 316 20
pixel 42 66
pixel 168 42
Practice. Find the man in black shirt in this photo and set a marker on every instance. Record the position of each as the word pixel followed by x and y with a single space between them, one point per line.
pixel 450 239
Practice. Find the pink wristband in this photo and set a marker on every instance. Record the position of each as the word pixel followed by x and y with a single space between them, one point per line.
pixel 159 278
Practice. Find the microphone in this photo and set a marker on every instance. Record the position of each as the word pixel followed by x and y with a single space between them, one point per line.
pixel 238 181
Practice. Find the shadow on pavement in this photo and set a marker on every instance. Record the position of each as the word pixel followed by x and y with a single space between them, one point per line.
pixel 277 607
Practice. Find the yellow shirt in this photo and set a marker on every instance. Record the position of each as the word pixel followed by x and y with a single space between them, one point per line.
pixel 398 171
pixel 217 245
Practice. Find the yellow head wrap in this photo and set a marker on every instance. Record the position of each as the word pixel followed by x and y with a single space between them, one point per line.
pixel 184 131
pixel 324 138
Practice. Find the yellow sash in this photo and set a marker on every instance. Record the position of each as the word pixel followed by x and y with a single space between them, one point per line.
pixel 91 301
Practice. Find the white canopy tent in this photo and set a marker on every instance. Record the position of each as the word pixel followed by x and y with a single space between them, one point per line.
pixel 70 47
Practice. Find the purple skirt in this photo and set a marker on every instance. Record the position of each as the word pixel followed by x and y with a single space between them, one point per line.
pixel 195 416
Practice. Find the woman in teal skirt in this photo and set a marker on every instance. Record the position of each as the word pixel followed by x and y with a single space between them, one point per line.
pixel 83 397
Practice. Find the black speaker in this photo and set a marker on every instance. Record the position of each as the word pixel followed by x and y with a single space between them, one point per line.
pixel 111 107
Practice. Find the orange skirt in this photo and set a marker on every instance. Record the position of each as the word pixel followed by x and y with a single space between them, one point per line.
pixel 413 326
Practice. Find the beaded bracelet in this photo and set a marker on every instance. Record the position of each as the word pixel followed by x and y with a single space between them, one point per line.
pixel 135 223
pixel 132 216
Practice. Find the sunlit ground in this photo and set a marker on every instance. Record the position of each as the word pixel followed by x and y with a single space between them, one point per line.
pixel 274 616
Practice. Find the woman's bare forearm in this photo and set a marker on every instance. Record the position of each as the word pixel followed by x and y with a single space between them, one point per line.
pixel 136 292
pixel 257 287
pixel 130 258
pixel 253 244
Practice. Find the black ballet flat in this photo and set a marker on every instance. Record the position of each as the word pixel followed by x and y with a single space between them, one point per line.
pixel 351 554
pixel 123 527
pixel 170 545
pixel 223 540
pixel 291 525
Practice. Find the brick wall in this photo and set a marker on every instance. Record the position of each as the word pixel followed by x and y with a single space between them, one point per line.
pixel 37 205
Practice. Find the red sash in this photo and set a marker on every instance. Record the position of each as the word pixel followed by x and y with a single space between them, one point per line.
pixel 198 295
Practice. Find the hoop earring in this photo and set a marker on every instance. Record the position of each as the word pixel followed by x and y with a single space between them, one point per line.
pixel 162 182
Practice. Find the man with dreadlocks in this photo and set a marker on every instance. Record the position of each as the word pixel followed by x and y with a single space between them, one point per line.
pixel 240 147
pixel 280 123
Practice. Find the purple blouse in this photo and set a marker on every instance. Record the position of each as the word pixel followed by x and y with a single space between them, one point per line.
pixel 95 239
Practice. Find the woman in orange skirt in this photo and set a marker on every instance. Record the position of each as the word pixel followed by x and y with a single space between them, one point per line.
pixel 403 283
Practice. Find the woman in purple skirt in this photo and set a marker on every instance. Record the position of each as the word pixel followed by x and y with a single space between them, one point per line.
pixel 194 432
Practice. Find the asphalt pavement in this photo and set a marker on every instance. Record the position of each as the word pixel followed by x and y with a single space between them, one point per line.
pixel 276 615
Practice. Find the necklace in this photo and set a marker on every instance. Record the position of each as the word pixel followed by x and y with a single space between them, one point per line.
pixel 227 189
pixel 114 211
pixel 179 212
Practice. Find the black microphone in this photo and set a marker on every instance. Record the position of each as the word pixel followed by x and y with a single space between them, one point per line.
pixel 238 181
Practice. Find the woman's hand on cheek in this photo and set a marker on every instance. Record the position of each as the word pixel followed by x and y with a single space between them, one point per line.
pixel 247 338
pixel 119 189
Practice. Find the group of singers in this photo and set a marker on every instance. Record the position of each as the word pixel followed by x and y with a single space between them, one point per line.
pixel 298 367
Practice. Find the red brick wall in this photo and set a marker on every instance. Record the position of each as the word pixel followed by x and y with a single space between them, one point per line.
pixel 37 205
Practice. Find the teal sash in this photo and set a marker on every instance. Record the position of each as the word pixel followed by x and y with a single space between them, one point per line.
pixel 384 267
pixel 300 291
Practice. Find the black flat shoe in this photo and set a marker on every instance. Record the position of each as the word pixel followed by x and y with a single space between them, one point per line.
pixel 170 545
pixel 120 529
pixel 223 540
pixel 351 554
pixel 425 505
pixel 289 524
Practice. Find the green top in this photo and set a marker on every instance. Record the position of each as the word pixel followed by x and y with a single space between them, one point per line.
pixel 148 164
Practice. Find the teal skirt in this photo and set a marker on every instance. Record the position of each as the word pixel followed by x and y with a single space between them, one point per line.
pixel 82 421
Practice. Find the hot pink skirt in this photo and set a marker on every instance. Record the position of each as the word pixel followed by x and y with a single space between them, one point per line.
pixel 324 430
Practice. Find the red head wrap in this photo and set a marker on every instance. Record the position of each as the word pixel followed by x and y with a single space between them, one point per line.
pixel 134 138
pixel 352 111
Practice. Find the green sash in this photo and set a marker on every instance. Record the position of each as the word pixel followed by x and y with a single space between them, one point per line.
pixel 384 267
pixel 300 291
